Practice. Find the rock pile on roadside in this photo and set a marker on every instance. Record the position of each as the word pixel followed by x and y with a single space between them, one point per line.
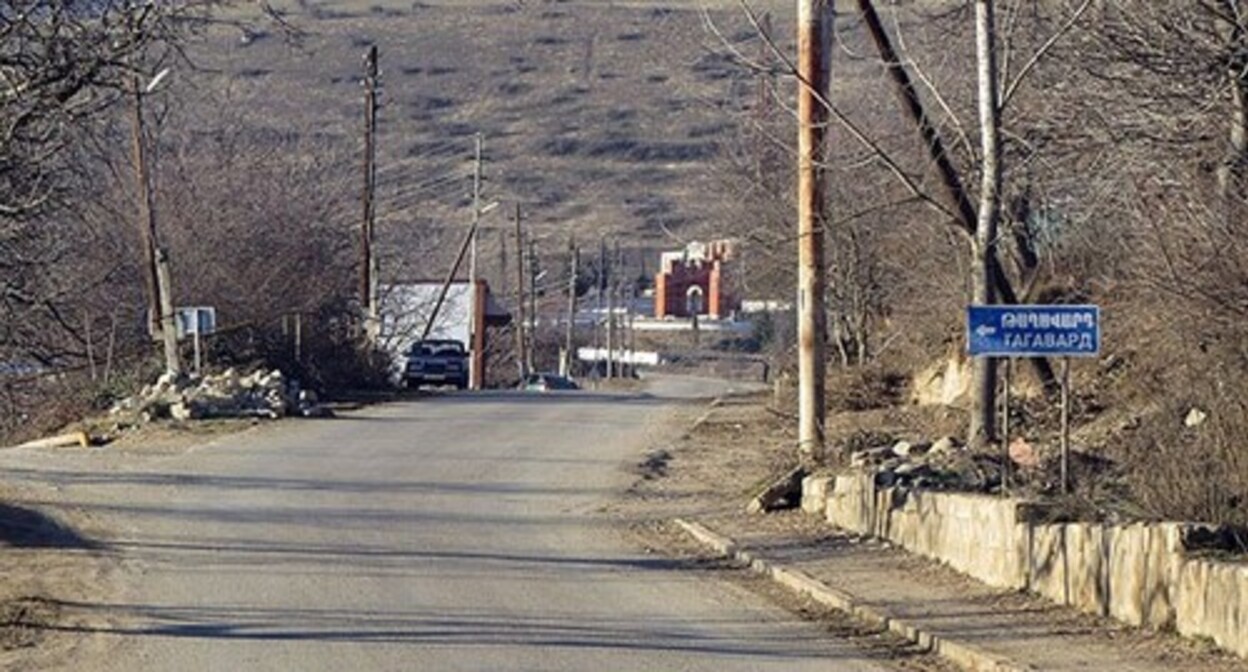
pixel 940 465
pixel 262 394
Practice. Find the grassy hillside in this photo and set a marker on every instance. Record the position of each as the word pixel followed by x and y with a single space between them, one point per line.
pixel 598 117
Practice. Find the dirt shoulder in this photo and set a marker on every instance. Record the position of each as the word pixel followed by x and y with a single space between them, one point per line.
pixel 54 556
pixel 48 558
pixel 729 451
pixel 708 472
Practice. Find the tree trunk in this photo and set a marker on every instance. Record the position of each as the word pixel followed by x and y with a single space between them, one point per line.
pixel 951 183
pixel 983 378
pixel 1231 172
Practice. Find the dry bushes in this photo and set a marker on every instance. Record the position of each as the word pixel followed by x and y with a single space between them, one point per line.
pixel 1195 473
pixel 1126 151
pixel 861 388
pixel 1189 323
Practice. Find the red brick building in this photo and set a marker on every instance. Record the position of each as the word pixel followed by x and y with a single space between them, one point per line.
pixel 695 281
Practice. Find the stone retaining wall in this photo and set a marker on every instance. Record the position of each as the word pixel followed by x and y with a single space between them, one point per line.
pixel 1141 574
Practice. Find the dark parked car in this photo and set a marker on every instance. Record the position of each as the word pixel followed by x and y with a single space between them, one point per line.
pixel 546 382
pixel 437 363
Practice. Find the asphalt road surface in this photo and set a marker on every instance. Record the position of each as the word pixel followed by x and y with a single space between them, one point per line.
pixel 462 532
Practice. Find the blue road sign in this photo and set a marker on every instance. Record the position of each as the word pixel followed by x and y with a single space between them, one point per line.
pixel 1033 331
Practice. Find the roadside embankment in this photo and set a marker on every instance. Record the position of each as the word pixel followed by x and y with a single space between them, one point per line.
pixel 708 474
pixel 1156 575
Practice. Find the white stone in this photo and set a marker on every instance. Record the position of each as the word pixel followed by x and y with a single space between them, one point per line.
pixel 945 446
pixel 1195 418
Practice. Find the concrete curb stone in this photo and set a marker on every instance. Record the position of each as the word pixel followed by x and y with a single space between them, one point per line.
pixel 962 654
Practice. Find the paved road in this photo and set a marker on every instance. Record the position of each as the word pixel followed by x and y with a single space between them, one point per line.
pixel 453 533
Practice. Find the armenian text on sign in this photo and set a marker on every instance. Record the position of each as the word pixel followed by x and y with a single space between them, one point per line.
pixel 1033 331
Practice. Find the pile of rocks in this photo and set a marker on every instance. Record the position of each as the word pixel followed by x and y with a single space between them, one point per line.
pixel 262 394
pixel 940 465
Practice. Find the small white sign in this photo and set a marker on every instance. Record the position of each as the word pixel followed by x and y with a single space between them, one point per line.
pixel 196 320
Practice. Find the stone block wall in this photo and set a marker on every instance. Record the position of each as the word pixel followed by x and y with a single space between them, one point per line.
pixel 1141 574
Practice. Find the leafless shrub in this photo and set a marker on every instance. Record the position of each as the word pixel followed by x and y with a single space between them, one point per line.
pixel 864 387
pixel 1192 473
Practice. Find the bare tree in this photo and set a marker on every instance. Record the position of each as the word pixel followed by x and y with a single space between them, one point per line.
pixel 983 378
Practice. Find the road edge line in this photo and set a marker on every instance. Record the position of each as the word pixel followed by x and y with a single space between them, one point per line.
pixel 960 653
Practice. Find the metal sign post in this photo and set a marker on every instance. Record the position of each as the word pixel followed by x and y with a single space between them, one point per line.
pixel 196 321
pixel 1066 425
pixel 1005 427
pixel 1036 331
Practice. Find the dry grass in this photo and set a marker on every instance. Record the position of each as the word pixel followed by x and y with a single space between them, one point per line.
pixel 601 118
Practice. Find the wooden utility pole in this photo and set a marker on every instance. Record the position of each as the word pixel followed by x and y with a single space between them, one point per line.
pixel 473 327
pixel 574 254
pixel 531 341
pixel 446 285
pixel 630 338
pixel 147 220
pixel 159 282
pixel 521 352
pixel 611 331
pixel 602 288
pixel 476 208
pixel 813 29
pixel 368 280
pixel 298 338
pixel 504 286
pixel 89 341
pixel 617 324
pixel 762 113
pixel 765 78
pixel 982 428
pixel 168 329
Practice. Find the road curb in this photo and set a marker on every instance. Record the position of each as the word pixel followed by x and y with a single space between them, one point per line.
pixel 960 653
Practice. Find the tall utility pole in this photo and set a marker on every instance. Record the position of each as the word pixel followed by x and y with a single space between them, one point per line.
pixel 813 29
pixel 984 369
pixel 476 208
pixel 766 82
pixel 521 358
pixel 473 327
pixel 632 331
pixel 532 338
pixel 611 345
pixel 168 329
pixel 765 79
pixel 159 290
pixel 617 325
pixel 446 285
pixel 368 264
pixel 574 261
pixel 603 275
pixel 504 285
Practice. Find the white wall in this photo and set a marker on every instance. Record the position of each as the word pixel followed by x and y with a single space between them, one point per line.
pixel 405 310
